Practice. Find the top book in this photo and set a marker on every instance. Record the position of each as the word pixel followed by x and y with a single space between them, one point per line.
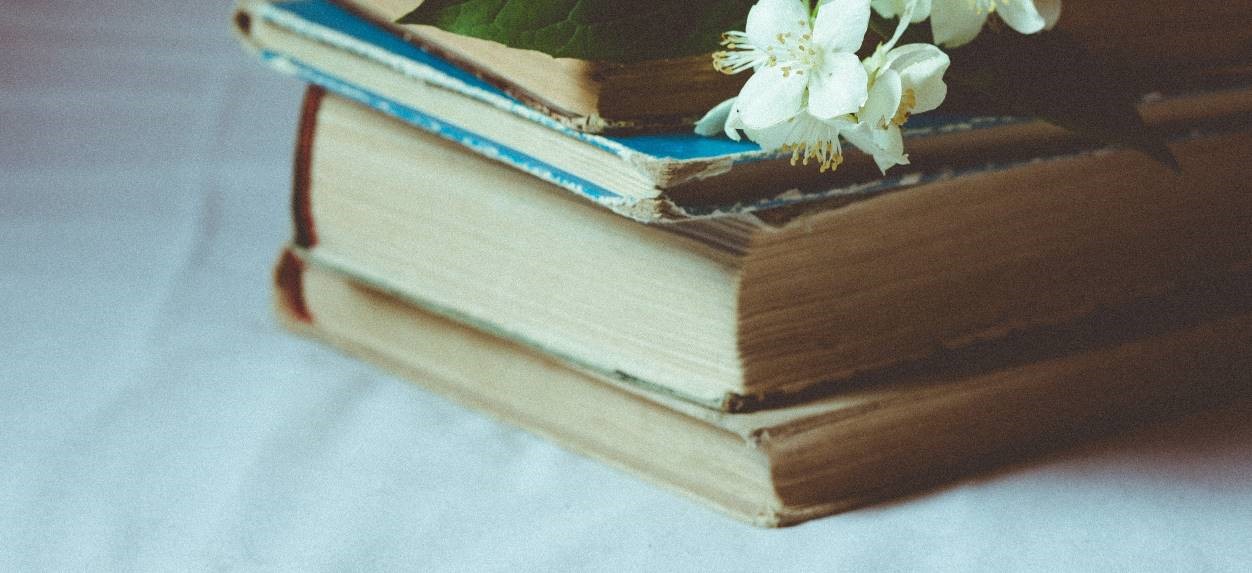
pixel 658 95
pixel 595 97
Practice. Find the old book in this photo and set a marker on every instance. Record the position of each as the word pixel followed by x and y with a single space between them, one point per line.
pixel 749 310
pixel 589 96
pixel 594 96
pixel 903 431
pixel 659 177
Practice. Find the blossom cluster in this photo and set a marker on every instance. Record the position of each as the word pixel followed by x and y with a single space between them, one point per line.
pixel 810 91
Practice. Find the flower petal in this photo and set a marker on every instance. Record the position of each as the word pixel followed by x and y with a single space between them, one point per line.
pixel 921 68
pixel 888 8
pixel 956 22
pixel 921 11
pixel 1050 10
pixel 807 138
pixel 714 122
pixel 841 25
pixel 838 87
pixel 785 133
pixel 771 97
pixel 734 124
pixel 883 101
pixel 1021 15
pixel 769 18
pixel 859 136
pixel 890 145
pixel 885 146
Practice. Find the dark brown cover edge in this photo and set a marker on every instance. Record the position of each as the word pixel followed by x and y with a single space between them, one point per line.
pixel 289 286
pixel 301 177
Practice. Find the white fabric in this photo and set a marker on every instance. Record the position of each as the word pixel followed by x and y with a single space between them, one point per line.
pixel 154 417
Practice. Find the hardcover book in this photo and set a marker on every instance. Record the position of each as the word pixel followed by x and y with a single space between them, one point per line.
pixel 743 312
pixel 900 434
pixel 595 97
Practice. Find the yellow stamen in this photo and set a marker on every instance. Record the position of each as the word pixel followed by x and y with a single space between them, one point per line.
pixel 908 101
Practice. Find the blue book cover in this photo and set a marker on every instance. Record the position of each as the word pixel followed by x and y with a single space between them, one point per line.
pixel 640 176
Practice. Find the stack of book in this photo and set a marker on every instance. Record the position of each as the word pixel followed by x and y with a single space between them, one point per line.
pixel 513 231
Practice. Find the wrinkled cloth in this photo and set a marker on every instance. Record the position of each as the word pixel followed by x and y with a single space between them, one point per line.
pixel 153 416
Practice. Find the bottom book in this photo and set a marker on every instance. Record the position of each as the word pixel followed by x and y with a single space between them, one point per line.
pixel 890 434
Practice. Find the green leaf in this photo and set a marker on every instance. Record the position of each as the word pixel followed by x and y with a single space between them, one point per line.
pixel 604 30
pixel 1052 77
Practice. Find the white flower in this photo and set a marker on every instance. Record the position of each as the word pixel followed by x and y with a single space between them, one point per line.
pixel 806 137
pixel 802 63
pixel 957 22
pixel 803 98
pixel 903 81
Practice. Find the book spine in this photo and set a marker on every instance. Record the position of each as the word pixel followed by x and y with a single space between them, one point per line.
pixel 305 234
pixel 289 287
